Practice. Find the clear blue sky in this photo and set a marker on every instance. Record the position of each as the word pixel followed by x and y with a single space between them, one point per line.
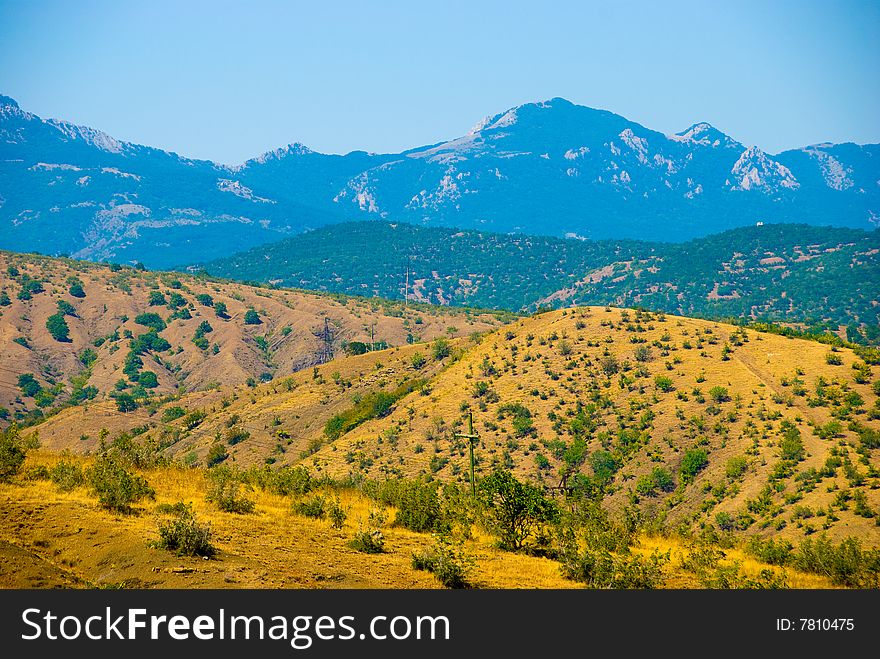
pixel 229 80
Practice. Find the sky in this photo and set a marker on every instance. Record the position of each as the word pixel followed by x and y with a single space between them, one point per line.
pixel 227 81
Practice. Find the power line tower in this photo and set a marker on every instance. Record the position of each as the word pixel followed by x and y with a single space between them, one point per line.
pixel 325 335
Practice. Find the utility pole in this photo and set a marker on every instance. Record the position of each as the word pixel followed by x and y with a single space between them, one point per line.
pixel 472 439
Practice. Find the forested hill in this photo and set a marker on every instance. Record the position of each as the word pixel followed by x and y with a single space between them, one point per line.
pixel 818 276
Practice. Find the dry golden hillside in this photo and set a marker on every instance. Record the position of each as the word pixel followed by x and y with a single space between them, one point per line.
pixel 100 307
pixel 694 422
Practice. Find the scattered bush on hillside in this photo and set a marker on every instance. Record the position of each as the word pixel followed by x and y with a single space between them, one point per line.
pixel 67 475
pixel 251 317
pixel 447 560
pixel 183 535
pixel 115 486
pixel 370 540
pixel 223 488
pixel 58 328
pixel 693 462
pixel 216 454
pixel 314 507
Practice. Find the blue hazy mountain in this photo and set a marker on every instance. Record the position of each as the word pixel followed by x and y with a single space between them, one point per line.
pixel 551 168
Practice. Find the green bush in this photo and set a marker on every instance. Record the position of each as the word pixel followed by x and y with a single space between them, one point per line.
pixel 58 328
pixel 223 487
pixel 12 453
pixel 183 535
pixel 216 454
pixel 371 406
pixel 598 567
pixel 251 317
pixel 67 475
pixel 441 349
pixel 369 541
pixel 663 383
pixel 115 486
pixel 719 394
pixel 150 319
pixel 693 462
pixel 337 515
pixel 447 561
pixel 514 509
pixel 170 414
pixel 314 507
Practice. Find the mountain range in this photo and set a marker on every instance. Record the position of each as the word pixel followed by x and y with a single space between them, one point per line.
pixel 550 168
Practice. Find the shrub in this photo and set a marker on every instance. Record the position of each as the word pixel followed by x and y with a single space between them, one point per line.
pixel 369 541
pixel 125 402
pixel 643 354
pixel 736 467
pixel 67 475
pixel 183 535
pixel 447 561
pixel 515 509
pixel 150 319
pixel 418 360
pixel 28 385
pixel 337 515
pixel 148 380
pixel 116 487
pixel 221 310
pixel 235 435
pixel 598 567
pixel 719 394
pixel 658 479
pixel 172 413
pixel 833 359
pixel 58 328
pixel 693 462
pixel 223 487
pixel 663 383
pixel 193 419
pixel 205 300
pixel 66 308
pixel 418 506
pixel 76 290
pixel 314 507
pixel 12 453
pixel 216 454
pixel 440 349
pixel 251 317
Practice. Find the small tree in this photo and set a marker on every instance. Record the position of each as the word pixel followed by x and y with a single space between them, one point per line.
pixel 12 453
pixel 221 310
pixel 116 487
pixel 58 328
pixel 515 509
pixel 251 317
pixel 693 462
pixel 440 349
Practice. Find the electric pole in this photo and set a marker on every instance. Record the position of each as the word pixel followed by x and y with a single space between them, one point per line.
pixel 472 439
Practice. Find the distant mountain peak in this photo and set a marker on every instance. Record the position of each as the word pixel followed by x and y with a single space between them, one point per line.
pixel 292 149
pixel 511 116
pixel 705 134
pixel 7 101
